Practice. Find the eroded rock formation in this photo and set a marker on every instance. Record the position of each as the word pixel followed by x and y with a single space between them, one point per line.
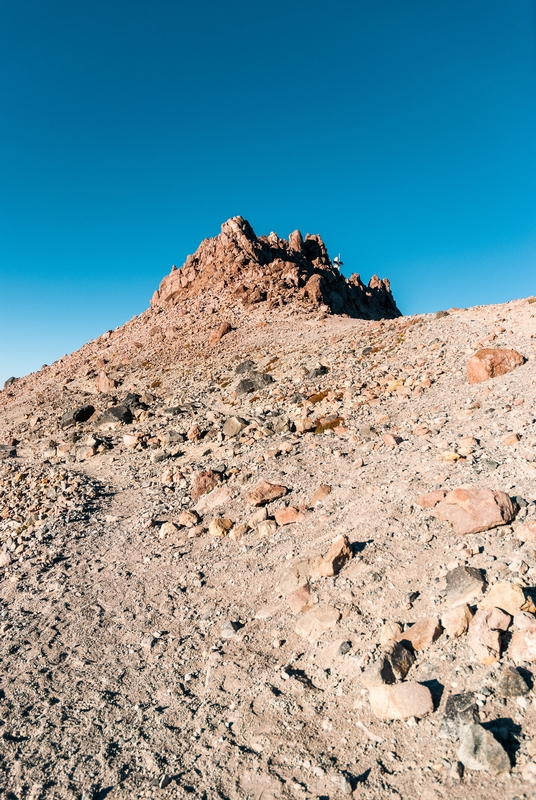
pixel 238 265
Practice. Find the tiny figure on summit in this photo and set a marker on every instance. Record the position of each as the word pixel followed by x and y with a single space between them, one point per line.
pixel 337 262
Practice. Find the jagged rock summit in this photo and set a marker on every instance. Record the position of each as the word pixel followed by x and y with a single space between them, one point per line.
pixel 239 265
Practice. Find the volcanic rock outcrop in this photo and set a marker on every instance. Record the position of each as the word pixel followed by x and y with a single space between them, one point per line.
pixel 254 269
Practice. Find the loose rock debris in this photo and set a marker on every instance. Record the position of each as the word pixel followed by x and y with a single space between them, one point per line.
pixel 210 592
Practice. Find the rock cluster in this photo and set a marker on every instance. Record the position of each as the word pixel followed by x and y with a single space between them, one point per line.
pixel 242 267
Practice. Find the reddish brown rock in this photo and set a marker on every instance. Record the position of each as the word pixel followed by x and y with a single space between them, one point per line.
pixel 237 265
pixel 422 634
pixel 491 362
pixel 430 499
pixel 401 701
pixel 474 510
pixel 194 434
pixel 219 332
pixel 301 599
pixel 337 556
pixel 266 492
pixel 421 430
pixel 287 515
pixel 204 482
pixel 484 634
pixel 320 494
pixel 104 383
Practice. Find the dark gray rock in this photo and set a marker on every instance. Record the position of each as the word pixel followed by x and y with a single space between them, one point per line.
pixel 134 402
pixel 174 438
pixel 256 381
pixel 174 411
pixel 7 451
pixel 317 372
pixel 81 414
pixel 400 659
pixel 9 382
pixel 512 683
pixel 464 584
pixel 460 709
pixel 116 414
pixel 245 366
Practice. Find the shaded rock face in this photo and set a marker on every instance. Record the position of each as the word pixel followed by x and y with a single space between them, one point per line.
pixel 268 269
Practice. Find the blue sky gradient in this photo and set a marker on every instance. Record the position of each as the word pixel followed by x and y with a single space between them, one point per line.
pixel 402 132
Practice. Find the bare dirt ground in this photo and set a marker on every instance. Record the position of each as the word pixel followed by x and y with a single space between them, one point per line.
pixel 143 659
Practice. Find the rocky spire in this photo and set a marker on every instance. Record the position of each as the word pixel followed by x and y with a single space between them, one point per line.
pixel 239 266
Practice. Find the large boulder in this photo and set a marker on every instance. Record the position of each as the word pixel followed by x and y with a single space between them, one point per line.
pixel 491 362
pixel 475 510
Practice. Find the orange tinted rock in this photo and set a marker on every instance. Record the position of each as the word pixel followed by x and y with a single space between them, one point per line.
pixel 220 527
pixel 474 510
pixel 421 430
pixel 391 441
pixel 266 492
pixel 456 620
pixel 390 632
pixel 422 634
pixel 320 494
pixel 491 363
pixel 204 482
pixel 430 499
pixel 304 424
pixel 219 332
pixel 286 516
pixel 298 574
pixel 509 597
pixel 337 556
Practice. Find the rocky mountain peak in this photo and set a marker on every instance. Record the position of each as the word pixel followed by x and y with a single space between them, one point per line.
pixel 238 265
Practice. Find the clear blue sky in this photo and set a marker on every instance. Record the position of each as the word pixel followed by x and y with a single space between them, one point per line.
pixel 404 132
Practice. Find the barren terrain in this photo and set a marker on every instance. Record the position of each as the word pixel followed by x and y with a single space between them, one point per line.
pixel 170 631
